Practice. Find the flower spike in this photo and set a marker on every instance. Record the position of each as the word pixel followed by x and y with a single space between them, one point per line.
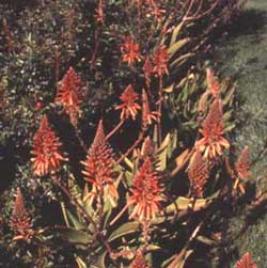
pixel 46 150
pixel 130 51
pixel 246 262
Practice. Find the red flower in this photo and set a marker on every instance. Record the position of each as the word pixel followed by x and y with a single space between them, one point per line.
pixel 213 83
pixel 46 153
pixel 20 221
pixel 242 165
pixel 146 193
pixel 160 61
pixel 129 106
pixel 246 262
pixel 139 261
pixel 130 51
pixel 69 95
pixel 198 174
pixel 213 141
pixel 147 116
pixel 98 167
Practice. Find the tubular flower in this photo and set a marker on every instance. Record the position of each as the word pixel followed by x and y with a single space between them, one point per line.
pixel 20 221
pixel 46 153
pixel 213 83
pixel 139 261
pixel 130 51
pixel 98 167
pixel 160 61
pixel 69 95
pixel 129 106
pixel 246 262
pixel 198 174
pixel 213 142
pixel 147 116
pixel 146 193
pixel 242 165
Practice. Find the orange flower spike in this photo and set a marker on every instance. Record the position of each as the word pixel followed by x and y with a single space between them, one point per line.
pixel 129 106
pixel 69 94
pixel 213 142
pixel 160 61
pixel 242 165
pixel 246 262
pixel 148 117
pixel 146 193
pixel 213 83
pixel 130 51
pixel 139 261
pixel 20 220
pixel 98 166
pixel 198 174
pixel 46 154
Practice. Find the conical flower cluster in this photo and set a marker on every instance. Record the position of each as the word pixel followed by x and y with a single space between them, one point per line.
pixel 69 95
pixel 160 61
pixel 46 150
pixel 213 142
pixel 130 51
pixel 198 174
pixel 129 107
pixel 20 221
pixel 246 262
pixel 146 193
pixel 242 165
pixel 98 167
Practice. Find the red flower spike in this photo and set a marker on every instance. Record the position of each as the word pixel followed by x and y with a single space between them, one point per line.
pixel 148 117
pixel 242 165
pixel 146 193
pixel 130 51
pixel 160 61
pixel 198 174
pixel 246 262
pixel 213 83
pixel 129 106
pixel 139 261
pixel 20 221
pixel 148 147
pixel 98 167
pixel 46 154
pixel 69 95
pixel 213 141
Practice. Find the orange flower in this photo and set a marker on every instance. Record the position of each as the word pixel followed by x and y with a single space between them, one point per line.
pixel 47 157
pixel 213 83
pixel 242 165
pixel 198 174
pixel 160 61
pixel 20 221
pixel 147 116
pixel 139 261
pixel 146 193
pixel 69 95
pixel 246 262
pixel 213 141
pixel 98 167
pixel 129 106
pixel 130 51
